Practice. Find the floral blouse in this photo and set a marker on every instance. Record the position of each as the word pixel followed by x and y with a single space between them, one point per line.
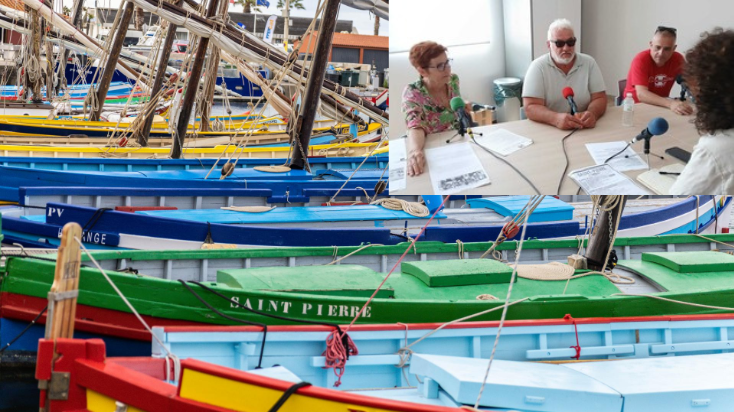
pixel 421 111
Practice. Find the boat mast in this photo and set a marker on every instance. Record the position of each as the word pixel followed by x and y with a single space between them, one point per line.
pixel 207 96
pixel 33 79
pixel 286 16
pixel 75 21
pixel 111 63
pixel 192 88
pixel 600 241
pixel 142 136
pixel 304 124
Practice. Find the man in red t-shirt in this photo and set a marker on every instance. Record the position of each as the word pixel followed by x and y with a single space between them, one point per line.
pixel 653 72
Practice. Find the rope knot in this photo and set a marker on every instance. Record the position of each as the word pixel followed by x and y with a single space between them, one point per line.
pixel 338 349
pixel 568 317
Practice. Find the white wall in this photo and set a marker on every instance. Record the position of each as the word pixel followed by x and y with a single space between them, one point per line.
pixel 614 31
pixel 471 29
pixel 526 29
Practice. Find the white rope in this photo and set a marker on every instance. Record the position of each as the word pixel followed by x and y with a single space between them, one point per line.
pixel 169 354
pixel 504 311
pixel 698 305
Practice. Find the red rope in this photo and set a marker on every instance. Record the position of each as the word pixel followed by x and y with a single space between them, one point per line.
pixel 575 328
pixel 336 354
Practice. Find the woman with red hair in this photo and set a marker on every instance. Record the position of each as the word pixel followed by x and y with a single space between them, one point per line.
pixel 426 102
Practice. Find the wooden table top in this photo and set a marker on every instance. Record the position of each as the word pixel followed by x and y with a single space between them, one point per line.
pixel 543 162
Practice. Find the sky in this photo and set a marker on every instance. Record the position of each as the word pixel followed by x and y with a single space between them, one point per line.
pixel 362 20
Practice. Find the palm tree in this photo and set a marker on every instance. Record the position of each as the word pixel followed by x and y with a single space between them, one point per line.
pixel 377 25
pixel 139 18
pixel 248 5
pixel 291 4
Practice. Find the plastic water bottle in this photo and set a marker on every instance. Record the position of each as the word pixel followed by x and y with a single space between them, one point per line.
pixel 628 111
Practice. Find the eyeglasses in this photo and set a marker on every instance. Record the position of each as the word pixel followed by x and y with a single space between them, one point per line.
pixel 560 43
pixel 668 29
pixel 441 66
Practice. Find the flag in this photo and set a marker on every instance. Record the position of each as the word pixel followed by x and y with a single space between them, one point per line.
pixel 269 29
pixel 265 3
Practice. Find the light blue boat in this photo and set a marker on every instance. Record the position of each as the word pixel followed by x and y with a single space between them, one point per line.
pixel 653 364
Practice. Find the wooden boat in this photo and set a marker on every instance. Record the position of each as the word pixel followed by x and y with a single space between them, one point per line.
pixel 117 90
pixel 331 150
pixel 296 283
pixel 135 165
pixel 45 132
pixel 329 226
pixel 217 374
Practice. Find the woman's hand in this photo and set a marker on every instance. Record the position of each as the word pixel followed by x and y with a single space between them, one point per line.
pixel 416 162
pixel 416 156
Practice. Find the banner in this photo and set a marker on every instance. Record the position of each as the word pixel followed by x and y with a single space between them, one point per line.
pixel 269 29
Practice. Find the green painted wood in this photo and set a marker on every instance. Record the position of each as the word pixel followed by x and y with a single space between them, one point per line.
pixel 683 262
pixel 420 247
pixel 342 280
pixel 590 296
pixel 455 272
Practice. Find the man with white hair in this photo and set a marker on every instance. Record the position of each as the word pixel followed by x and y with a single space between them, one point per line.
pixel 551 73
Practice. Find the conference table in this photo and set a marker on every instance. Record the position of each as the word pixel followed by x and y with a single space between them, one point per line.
pixel 543 162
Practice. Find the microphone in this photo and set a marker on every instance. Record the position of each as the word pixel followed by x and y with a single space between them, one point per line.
pixel 458 106
pixel 656 127
pixel 568 95
pixel 684 91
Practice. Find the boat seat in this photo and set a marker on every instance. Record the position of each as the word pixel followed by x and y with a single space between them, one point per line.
pixel 516 385
pixel 343 174
pixel 353 280
pixel 692 262
pixel 458 272
pixel 312 214
pixel 549 210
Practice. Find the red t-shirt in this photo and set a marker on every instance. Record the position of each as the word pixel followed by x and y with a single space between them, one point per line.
pixel 659 80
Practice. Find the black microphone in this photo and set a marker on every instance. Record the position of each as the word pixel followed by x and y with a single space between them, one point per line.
pixel 683 87
pixel 568 95
pixel 457 105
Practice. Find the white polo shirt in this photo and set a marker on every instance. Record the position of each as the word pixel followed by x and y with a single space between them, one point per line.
pixel 710 169
pixel 544 80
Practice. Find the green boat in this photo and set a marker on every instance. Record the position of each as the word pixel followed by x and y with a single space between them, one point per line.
pixel 431 285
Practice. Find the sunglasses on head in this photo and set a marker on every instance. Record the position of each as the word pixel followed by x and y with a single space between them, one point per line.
pixel 668 29
pixel 560 43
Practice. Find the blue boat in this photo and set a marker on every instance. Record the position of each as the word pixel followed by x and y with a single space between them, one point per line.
pixel 240 226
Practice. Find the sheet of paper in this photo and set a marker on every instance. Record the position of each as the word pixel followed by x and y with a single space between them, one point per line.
pixel 605 180
pixel 627 160
pixel 398 164
pixel 454 168
pixel 503 142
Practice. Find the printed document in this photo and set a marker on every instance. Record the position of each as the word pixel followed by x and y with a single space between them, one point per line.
pixel 455 168
pixel 627 160
pixel 604 180
pixel 503 142
pixel 398 164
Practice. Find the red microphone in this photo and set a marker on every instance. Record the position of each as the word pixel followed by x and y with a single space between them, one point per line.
pixel 568 95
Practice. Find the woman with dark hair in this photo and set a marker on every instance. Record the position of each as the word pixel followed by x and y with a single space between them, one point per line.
pixel 708 73
pixel 426 102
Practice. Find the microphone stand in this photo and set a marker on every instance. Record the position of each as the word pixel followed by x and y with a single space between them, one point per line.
pixel 469 132
pixel 647 152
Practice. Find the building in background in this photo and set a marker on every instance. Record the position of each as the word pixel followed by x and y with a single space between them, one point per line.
pixel 353 48
pixel 253 22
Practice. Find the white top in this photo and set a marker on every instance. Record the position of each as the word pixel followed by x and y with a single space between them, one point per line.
pixel 544 80
pixel 710 170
